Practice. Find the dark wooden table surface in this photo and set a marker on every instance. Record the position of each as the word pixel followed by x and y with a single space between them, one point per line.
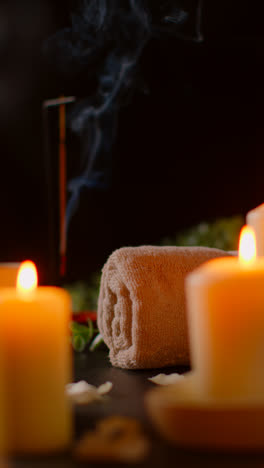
pixel 127 399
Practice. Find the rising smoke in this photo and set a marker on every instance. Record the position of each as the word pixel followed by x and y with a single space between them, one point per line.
pixel 107 37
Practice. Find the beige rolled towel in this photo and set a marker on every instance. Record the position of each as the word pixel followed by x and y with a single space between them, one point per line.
pixel 141 307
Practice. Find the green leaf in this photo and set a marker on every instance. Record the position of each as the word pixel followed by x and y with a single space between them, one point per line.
pixel 78 343
pixel 82 330
pixel 222 233
pixel 81 334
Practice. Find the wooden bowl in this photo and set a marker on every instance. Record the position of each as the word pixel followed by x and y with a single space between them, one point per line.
pixel 189 420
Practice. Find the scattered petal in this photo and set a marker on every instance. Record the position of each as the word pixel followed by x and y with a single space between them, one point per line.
pixel 79 387
pixel 105 388
pixel 115 439
pixel 83 393
pixel 163 379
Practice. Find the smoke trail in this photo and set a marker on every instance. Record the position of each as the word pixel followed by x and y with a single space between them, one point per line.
pixel 115 78
pixel 108 38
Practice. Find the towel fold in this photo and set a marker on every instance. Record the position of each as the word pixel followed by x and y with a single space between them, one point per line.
pixel 141 307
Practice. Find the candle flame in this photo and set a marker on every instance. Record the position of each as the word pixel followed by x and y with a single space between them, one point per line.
pixel 27 277
pixel 247 245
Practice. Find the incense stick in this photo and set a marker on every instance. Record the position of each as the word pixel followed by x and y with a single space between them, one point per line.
pixel 52 275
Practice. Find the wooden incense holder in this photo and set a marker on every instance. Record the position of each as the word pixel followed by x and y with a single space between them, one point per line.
pixel 191 421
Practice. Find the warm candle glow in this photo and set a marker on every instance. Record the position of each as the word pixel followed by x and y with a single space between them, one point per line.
pixel 27 278
pixel 247 245
pixel 35 366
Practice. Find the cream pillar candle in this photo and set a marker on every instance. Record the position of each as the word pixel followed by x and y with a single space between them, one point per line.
pixel 34 336
pixel 8 274
pixel 225 306
pixel 255 219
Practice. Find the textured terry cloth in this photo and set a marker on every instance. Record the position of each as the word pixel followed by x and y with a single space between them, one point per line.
pixel 141 307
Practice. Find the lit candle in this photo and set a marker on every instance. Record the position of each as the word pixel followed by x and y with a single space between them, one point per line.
pixel 255 219
pixel 8 274
pixel 225 306
pixel 34 336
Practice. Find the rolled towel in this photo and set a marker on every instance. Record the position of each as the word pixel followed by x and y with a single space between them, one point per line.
pixel 141 307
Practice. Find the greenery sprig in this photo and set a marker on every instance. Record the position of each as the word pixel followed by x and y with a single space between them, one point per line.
pixel 83 335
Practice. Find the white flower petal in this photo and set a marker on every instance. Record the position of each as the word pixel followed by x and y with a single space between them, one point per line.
pixel 105 388
pixel 163 379
pixel 79 387
pixel 83 393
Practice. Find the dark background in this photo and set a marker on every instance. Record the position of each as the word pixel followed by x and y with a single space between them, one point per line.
pixel 189 150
